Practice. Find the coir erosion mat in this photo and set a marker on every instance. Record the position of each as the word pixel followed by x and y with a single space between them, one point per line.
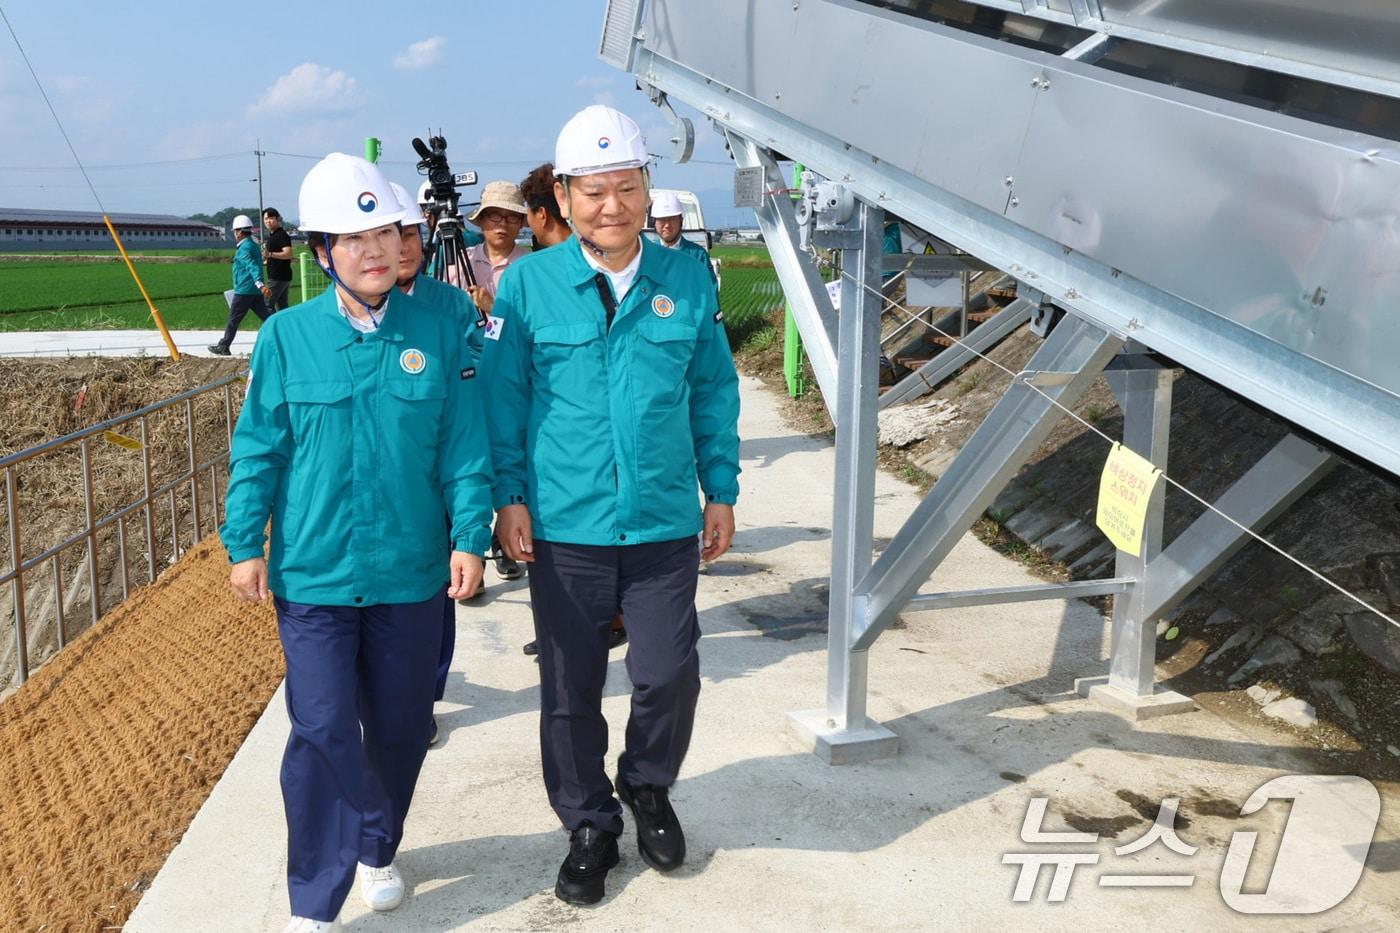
pixel 109 749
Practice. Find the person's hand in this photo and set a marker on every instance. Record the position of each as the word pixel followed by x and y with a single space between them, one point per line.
pixel 267 292
pixel 467 571
pixel 483 298
pixel 719 530
pixel 264 251
pixel 516 535
pixel 249 580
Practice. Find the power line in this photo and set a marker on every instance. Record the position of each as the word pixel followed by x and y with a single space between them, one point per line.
pixel 45 94
pixel 125 165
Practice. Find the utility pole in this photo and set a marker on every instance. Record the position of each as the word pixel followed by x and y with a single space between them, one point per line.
pixel 259 153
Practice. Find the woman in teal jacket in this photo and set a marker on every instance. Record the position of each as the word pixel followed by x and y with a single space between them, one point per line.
pixel 361 429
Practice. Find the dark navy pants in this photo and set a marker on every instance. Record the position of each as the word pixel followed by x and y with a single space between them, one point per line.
pixel 360 698
pixel 575 591
pixel 446 647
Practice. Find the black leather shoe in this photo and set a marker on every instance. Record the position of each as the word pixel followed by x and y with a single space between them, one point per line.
pixel 219 349
pixel 509 569
pixel 659 835
pixel 592 853
pixel 531 647
pixel 618 637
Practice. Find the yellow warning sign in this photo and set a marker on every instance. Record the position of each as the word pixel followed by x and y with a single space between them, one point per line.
pixel 121 440
pixel 1125 489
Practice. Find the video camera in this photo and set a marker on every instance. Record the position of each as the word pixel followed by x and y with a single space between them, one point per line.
pixel 442 181
pixel 446 249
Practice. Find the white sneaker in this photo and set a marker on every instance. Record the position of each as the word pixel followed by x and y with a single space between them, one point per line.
pixel 307 925
pixel 382 888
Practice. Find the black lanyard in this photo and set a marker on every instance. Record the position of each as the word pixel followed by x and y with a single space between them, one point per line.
pixel 606 296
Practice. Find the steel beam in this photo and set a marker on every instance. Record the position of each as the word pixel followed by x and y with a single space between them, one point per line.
pixel 1267 490
pixel 983 337
pixel 1013 430
pixel 1001 595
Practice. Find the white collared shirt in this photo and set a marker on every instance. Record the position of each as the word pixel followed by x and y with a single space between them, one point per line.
pixel 621 281
pixel 367 324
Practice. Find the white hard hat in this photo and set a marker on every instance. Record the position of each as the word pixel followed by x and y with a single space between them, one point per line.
pixel 666 204
pixel 599 139
pixel 346 194
pixel 242 222
pixel 412 213
pixel 425 193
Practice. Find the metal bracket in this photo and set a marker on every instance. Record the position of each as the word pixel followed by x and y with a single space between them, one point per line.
pixel 682 138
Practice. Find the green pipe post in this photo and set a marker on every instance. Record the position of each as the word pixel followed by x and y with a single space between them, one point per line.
pixel 371 149
pixel 793 357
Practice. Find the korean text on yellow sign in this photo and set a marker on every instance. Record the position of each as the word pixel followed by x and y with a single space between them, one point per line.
pixel 1125 490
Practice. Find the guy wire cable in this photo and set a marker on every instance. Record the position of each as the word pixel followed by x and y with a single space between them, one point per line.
pixel 160 321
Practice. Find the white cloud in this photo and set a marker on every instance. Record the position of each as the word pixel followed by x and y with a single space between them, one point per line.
pixel 593 81
pixel 309 88
pixel 421 55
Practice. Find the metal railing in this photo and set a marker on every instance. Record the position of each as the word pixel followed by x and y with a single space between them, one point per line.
pixel 197 475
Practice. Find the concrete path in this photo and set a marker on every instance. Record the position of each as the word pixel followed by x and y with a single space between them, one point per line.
pixel 982 700
pixel 59 343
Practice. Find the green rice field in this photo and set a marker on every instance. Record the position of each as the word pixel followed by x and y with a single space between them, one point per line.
pixel 100 295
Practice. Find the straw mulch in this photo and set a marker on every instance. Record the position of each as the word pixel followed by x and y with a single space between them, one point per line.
pixel 107 752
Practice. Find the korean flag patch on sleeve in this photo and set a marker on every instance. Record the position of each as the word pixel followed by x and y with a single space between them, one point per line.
pixel 493 327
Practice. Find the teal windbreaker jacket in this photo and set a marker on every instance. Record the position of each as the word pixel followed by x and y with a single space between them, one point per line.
pixel 602 433
pixel 454 301
pixel 357 446
pixel 247 268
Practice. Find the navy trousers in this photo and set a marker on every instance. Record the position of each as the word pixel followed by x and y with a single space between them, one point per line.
pixel 448 644
pixel 360 698
pixel 575 591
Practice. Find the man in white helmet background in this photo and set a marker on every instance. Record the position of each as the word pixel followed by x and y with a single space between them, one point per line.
pixel 614 409
pixel 668 220
pixel 361 429
pixel 250 292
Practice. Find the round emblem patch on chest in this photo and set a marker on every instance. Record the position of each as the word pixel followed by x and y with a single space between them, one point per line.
pixel 663 306
pixel 412 361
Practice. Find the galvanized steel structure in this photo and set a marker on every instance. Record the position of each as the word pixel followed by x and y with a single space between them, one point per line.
pixel 1211 184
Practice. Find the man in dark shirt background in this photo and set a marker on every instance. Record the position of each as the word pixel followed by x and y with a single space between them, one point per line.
pixel 277 250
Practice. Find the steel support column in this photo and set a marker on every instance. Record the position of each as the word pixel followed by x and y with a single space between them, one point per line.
pixel 840 732
pixel 1145 397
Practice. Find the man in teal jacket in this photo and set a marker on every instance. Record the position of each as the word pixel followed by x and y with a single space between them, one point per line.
pixel 361 429
pixel 614 406
pixel 250 292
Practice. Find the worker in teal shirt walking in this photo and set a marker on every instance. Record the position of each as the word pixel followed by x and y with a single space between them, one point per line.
pixel 250 292
pixel 360 431
pixel 614 405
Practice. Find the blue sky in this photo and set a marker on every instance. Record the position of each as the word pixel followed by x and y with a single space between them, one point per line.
pixel 197 81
